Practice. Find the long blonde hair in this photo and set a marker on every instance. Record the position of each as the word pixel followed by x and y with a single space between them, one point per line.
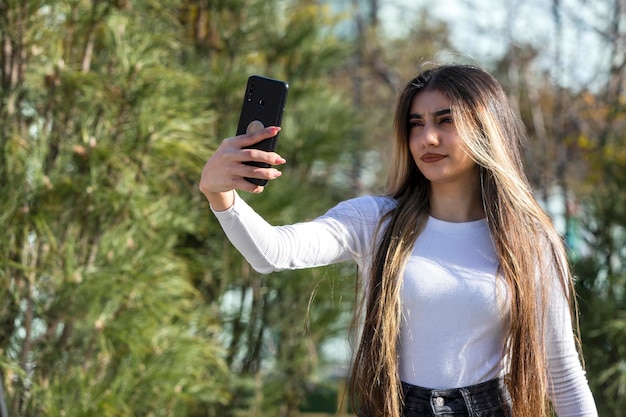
pixel 525 240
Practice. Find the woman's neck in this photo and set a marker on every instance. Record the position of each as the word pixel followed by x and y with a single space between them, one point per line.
pixel 456 204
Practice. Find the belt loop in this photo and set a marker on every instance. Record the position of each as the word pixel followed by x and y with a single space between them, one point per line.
pixel 467 398
pixel 432 404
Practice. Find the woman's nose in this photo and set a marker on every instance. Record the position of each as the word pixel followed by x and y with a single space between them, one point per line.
pixel 429 136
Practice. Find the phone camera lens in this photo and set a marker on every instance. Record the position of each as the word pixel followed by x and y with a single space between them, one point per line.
pixel 261 103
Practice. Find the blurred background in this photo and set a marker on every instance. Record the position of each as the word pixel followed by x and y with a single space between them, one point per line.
pixel 120 296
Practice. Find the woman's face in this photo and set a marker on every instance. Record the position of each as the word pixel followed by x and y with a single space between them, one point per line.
pixel 435 143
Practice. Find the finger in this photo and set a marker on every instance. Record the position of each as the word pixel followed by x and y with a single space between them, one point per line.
pixel 278 160
pixel 245 185
pixel 251 171
pixel 259 155
pixel 248 139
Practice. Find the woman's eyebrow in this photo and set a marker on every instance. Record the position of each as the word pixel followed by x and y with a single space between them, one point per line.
pixel 434 114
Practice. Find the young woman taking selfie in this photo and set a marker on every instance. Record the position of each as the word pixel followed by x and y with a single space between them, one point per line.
pixel 468 305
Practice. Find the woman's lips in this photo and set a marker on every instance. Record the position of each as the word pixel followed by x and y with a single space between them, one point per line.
pixel 432 157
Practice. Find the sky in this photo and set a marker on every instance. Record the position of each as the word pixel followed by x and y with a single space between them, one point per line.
pixel 483 29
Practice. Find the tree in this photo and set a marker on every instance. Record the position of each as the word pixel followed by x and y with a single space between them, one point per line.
pixel 98 151
pixel 115 275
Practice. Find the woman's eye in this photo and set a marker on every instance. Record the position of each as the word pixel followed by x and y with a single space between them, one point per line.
pixel 446 120
pixel 415 123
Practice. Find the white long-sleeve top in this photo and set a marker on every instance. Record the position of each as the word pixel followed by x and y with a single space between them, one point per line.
pixel 454 308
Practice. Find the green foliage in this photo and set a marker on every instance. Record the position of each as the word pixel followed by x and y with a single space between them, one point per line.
pixel 115 274
pixel 101 154
pixel 602 283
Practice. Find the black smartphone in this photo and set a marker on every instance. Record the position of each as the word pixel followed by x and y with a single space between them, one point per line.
pixel 263 106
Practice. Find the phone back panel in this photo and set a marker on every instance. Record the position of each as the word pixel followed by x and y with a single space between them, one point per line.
pixel 263 105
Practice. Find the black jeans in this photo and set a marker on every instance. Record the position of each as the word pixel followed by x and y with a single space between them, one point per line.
pixel 488 399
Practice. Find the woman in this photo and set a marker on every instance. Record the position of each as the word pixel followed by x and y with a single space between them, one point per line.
pixel 468 298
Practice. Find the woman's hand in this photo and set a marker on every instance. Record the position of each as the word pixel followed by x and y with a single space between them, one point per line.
pixel 225 170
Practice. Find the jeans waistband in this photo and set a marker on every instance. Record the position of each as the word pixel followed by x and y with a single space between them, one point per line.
pixel 477 389
pixel 464 401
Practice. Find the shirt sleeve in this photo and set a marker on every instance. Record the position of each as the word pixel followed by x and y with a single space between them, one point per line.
pixel 568 387
pixel 342 234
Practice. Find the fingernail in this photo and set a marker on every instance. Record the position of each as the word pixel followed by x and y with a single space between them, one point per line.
pixel 277 174
pixel 279 160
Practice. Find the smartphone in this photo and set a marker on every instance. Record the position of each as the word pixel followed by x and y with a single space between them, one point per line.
pixel 263 106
